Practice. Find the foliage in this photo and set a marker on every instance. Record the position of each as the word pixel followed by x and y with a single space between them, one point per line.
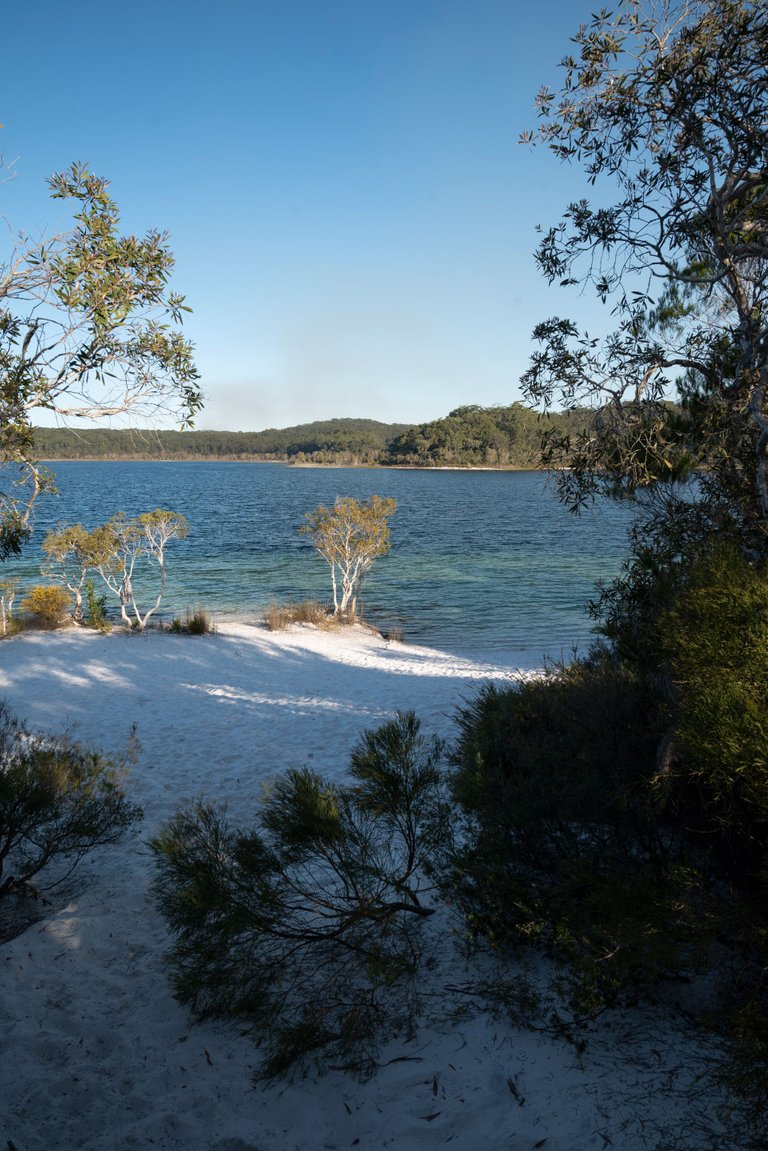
pixel 350 536
pixel 113 550
pixel 47 605
pixel 197 622
pixel 715 781
pixel 668 106
pixel 564 845
pixel 472 436
pixel 352 441
pixel 307 925
pixel 95 608
pixel 617 810
pixel 715 636
pixel 88 327
pixel 58 801
pixel 122 543
pixel 72 552
pixel 277 617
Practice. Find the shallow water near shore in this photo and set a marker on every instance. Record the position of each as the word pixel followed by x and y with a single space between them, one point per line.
pixel 480 561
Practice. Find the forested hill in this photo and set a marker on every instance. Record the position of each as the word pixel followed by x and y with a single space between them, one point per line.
pixel 470 436
pixel 325 441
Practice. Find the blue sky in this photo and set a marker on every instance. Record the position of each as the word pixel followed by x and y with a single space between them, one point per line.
pixel 352 215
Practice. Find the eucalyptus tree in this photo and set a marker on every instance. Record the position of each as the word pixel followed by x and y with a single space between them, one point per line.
pixel 665 105
pixel 89 327
pixel 72 552
pixel 121 543
pixel 350 536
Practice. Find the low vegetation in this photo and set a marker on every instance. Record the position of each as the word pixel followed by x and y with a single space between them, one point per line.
pixel 197 622
pixel 307 926
pixel 47 606
pixel 58 801
pixel 278 617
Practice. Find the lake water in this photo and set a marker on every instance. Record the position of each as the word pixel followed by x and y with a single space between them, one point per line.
pixel 480 561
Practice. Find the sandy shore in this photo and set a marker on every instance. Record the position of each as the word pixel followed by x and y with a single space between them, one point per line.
pixel 97 1055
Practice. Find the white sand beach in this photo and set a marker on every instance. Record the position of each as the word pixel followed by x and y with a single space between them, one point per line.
pixel 97 1055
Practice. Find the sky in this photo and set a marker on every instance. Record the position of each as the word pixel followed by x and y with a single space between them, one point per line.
pixel 352 215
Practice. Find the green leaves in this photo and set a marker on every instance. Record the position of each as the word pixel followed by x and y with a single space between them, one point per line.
pixel 57 802
pixel 350 536
pixel 306 926
pixel 669 106
pixel 91 332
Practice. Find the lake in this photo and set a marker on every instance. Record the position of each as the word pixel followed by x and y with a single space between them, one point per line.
pixel 481 562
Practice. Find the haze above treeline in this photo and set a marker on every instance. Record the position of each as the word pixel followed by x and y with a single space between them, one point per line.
pixel 470 436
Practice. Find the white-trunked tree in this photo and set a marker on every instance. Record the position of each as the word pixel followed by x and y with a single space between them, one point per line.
pixel 113 550
pixel 350 536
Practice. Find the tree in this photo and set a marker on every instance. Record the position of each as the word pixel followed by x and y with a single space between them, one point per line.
pixel 350 536
pixel 307 926
pixel 73 552
pixel 88 328
pixel 118 546
pixel 58 801
pixel 667 104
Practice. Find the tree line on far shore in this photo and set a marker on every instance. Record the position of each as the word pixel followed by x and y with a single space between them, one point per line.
pixel 470 436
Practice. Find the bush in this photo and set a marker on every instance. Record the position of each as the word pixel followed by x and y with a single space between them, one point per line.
pixel 197 622
pixel 564 847
pixel 95 608
pixel 278 617
pixel 307 926
pixel 47 605
pixel 58 801
pixel 715 783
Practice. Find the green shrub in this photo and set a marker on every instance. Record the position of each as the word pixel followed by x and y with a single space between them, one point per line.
pixel 308 925
pixel 47 605
pixel 716 642
pixel 95 608
pixel 564 847
pixel 197 622
pixel 58 801
pixel 715 783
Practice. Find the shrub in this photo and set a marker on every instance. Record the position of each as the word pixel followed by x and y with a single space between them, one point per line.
pixel 58 801
pixel 564 847
pixel 95 608
pixel 278 617
pixel 47 605
pixel 197 622
pixel 307 926
pixel 715 783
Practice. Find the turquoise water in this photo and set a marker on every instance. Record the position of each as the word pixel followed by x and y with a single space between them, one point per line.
pixel 480 561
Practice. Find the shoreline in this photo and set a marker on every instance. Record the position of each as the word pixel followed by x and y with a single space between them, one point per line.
pixel 243 459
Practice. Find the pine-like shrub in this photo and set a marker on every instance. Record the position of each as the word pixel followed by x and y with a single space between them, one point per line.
pixel 308 925
pixel 58 801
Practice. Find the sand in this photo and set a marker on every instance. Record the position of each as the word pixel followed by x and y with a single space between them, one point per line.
pixel 97 1055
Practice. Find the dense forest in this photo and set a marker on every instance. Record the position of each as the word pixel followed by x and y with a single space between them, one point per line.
pixel 470 436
